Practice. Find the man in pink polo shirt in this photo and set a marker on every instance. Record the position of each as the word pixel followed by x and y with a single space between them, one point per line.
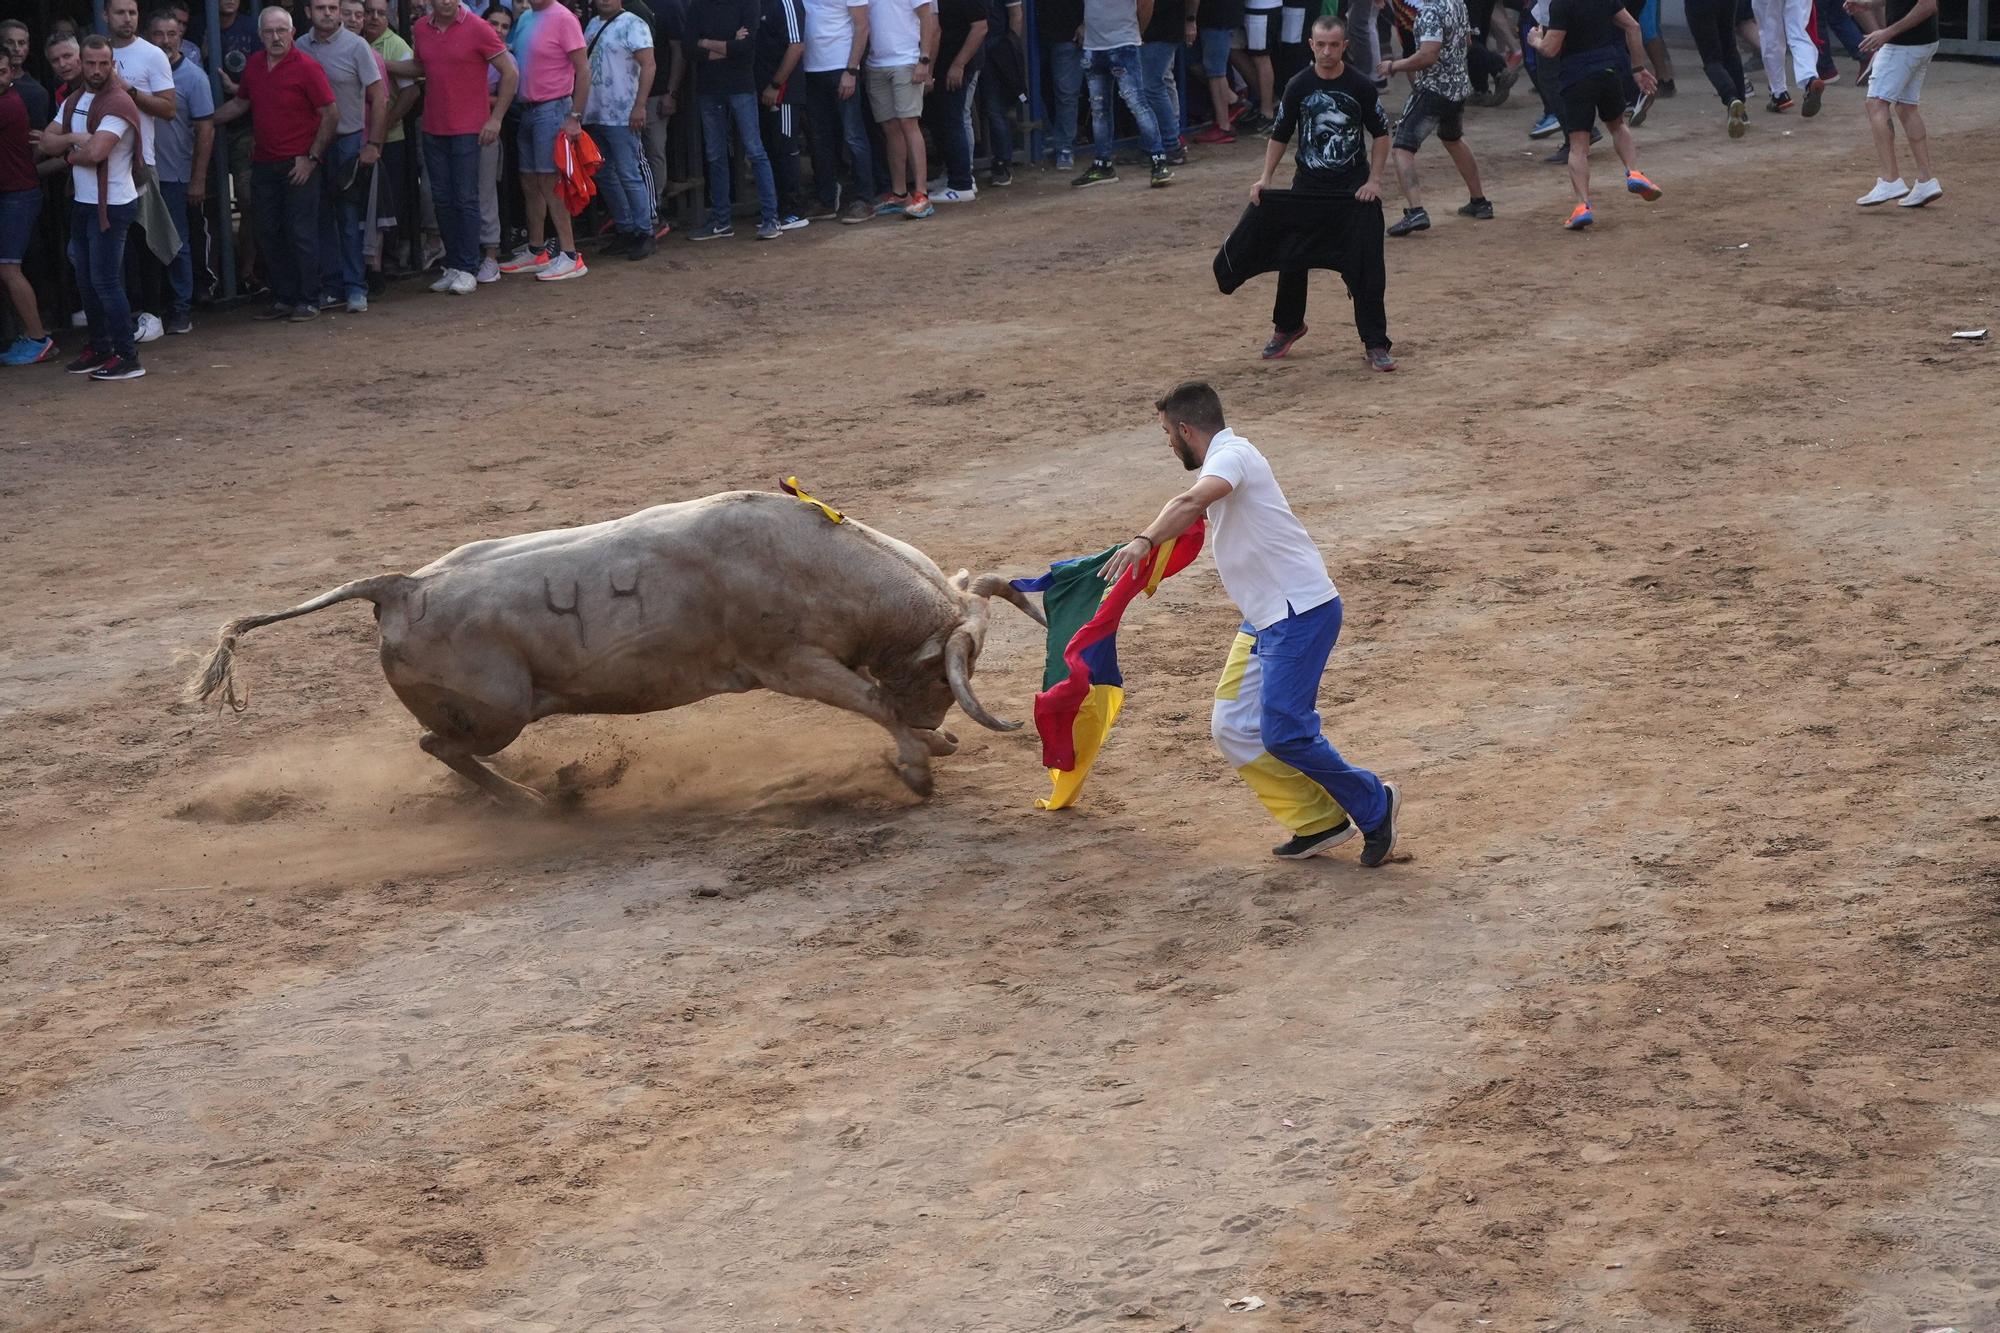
pixel 547 42
pixel 453 47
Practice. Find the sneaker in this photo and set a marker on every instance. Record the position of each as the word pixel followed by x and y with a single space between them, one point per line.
pixel 1780 102
pixel 276 310
pixel 433 254
pixel 1503 84
pixel 1379 359
pixel 26 351
pixel 858 211
pixel 825 212
pixel 792 222
pixel 1177 157
pixel 1477 208
pixel 89 361
pixel 526 260
pixel 919 207
pixel 950 196
pixel 1579 218
pixel 1162 172
pixel 1215 134
pixel 1314 844
pixel 768 231
pixel 1667 88
pixel 1815 90
pixel 301 314
pixel 1255 123
pixel 1413 220
pixel 1003 176
pixel 708 231
pixel 1830 75
pixel 660 231
pixel 1065 160
pixel 1636 182
pixel 1281 343
pixel 443 284
pixel 178 324
pixel 1635 115
pixel 891 204
pixel 617 245
pixel 147 328
pixel 357 304
pixel 119 368
pixel 489 270
pixel 563 267
pixel 1378 844
pixel 642 246
pixel 1544 127
pixel 1921 193
pixel 1739 119
pixel 1100 173
pixel 331 302
pixel 935 184
pixel 462 283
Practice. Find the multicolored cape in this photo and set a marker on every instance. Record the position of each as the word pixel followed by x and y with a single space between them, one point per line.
pixel 1082 687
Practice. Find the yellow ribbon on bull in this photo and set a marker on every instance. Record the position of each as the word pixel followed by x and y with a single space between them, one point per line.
pixel 791 487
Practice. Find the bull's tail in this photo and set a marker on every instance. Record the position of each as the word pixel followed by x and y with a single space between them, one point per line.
pixel 217 670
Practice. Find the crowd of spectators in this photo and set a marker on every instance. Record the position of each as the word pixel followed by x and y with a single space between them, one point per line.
pixel 334 154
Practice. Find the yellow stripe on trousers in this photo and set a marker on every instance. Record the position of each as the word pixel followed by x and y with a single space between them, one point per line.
pixel 1293 799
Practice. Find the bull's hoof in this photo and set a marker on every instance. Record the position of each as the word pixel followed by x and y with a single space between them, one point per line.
pixel 939 742
pixel 917 777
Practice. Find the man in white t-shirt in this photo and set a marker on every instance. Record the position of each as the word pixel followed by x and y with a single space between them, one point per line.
pixel 147 73
pixel 100 158
pixel 836 39
pixel 619 45
pixel 902 42
pixel 1266 718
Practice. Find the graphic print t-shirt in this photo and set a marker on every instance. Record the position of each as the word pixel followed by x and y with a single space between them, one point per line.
pixel 1444 22
pixel 1329 116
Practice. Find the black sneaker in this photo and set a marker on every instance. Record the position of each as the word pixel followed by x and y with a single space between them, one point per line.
pixel 642 245
pixel 1162 173
pixel 119 368
pixel 276 310
pixel 1003 176
pixel 1413 219
pixel 1312 844
pixel 180 324
pixel 1779 103
pixel 303 313
pixel 1099 173
pixel 1281 343
pixel 1177 158
pixel 1478 208
pixel 619 243
pixel 1376 846
pixel 88 362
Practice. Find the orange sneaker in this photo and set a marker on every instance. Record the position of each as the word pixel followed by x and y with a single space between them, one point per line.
pixel 1579 218
pixel 1637 183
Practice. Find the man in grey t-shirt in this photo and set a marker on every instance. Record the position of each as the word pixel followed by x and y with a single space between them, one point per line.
pixel 362 95
pixel 1111 36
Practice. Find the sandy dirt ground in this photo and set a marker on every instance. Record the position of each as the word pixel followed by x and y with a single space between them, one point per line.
pixel 1671 561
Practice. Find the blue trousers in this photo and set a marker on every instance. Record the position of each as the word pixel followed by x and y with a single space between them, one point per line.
pixel 287 217
pixel 180 273
pixel 99 260
pixel 1163 95
pixel 948 116
pixel 1065 65
pixel 1293 654
pixel 719 111
pixel 342 271
pixel 627 180
pixel 451 162
pixel 1119 67
pixel 838 121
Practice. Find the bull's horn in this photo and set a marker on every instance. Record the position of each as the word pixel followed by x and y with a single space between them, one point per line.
pixel 992 585
pixel 958 671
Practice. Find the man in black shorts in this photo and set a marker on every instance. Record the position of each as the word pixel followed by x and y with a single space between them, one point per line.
pixel 1442 84
pixel 1598 42
pixel 1332 215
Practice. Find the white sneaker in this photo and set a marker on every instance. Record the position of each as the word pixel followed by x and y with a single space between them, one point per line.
pixel 489 270
pixel 147 328
pixel 1883 192
pixel 462 283
pixel 951 196
pixel 1922 193
pixel 443 284
pixel 562 268
pixel 357 305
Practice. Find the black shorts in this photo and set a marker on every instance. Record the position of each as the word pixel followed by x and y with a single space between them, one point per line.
pixel 1597 96
pixel 1425 113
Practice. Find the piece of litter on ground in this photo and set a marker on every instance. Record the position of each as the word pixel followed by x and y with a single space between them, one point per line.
pixel 1288 1124
pixel 1971 335
pixel 1245 1304
pixel 1614 1265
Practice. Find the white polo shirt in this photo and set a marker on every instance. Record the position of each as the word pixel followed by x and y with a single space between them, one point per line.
pixel 1267 560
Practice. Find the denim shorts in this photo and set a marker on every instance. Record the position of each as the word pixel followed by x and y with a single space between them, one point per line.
pixel 540 124
pixel 1215 51
pixel 18 211
pixel 1427 114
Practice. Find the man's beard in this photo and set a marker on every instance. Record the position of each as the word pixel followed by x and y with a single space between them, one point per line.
pixel 1186 455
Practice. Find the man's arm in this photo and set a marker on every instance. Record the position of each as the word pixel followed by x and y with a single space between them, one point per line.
pixel 1176 517
pixel 975 40
pixel 1426 55
pixel 1875 40
pixel 404 101
pixel 579 98
pixel 503 96
pixel 855 49
pixel 1145 14
pixel 1547 41
pixel 927 29
pixel 1635 50
pixel 412 68
pixel 94 148
pixel 159 104
pixel 643 58
pixel 376 123
pixel 1378 158
pixel 1274 153
pixel 329 122
pixel 234 109
pixel 204 143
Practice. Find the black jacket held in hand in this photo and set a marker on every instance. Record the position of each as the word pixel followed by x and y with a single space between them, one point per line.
pixel 1290 232
pixel 720 21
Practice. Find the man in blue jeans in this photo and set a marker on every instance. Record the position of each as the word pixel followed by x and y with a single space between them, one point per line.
pixel 836 40
pixel 1266 718
pixel 100 158
pixel 722 36
pixel 181 151
pixel 620 47
pixel 1059 26
pixel 1165 34
pixel 362 95
pixel 1111 31
pixel 454 48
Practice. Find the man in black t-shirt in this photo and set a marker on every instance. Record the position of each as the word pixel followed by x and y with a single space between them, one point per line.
pixel 1904 40
pixel 1599 42
pixel 1059 25
pixel 1332 215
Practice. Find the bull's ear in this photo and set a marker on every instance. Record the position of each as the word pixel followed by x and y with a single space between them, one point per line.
pixel 932 653
pixel 961 581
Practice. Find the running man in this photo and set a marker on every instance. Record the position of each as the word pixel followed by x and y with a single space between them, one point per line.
pixel 1587 35
pixel 1782 31
pixel 1266 718
pixel 1332 215
pixel 1438 94
pixel 1904 40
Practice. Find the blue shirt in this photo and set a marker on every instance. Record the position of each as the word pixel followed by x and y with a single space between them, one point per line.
pixel 173 149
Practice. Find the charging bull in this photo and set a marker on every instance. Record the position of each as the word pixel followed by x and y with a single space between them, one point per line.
pixel 734 592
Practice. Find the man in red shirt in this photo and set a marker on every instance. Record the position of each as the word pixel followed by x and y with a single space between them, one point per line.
pixel 293 117
pixel 453 49
pixel 20 206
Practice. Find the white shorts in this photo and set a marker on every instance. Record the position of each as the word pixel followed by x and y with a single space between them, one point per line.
pixel 1292 30
pixel 1898 72
pixel 1257 29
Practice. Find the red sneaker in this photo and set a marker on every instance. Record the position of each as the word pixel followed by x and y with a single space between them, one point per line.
pixel 1215 134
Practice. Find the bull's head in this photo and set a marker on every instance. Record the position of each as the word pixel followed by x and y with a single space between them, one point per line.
pixel 924 700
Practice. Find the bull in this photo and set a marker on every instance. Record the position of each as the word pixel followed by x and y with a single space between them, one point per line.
pixel 734 592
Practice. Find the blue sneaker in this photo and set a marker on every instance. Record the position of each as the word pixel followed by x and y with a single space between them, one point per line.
pixel 1544 127
pixel 26 351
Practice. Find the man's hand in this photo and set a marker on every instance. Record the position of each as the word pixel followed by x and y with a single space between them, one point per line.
pixel 1874 41
pixel 1370 191
pixel 198 188
pixel 489 133
pixel 370 155
pixel 1192 35
pixel 637 120
pixel 664 107
pixel 1384 68
pixel 571 126
pixel 1131 554
pixel 769 97
pixel 1647 83
pixel 302 170
pixel 846 86
pixel 954 78
pixel 1257 190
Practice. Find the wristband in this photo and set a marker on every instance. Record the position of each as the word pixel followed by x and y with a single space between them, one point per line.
pixel 923 60
pixel 1151 545
pixel 852 73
